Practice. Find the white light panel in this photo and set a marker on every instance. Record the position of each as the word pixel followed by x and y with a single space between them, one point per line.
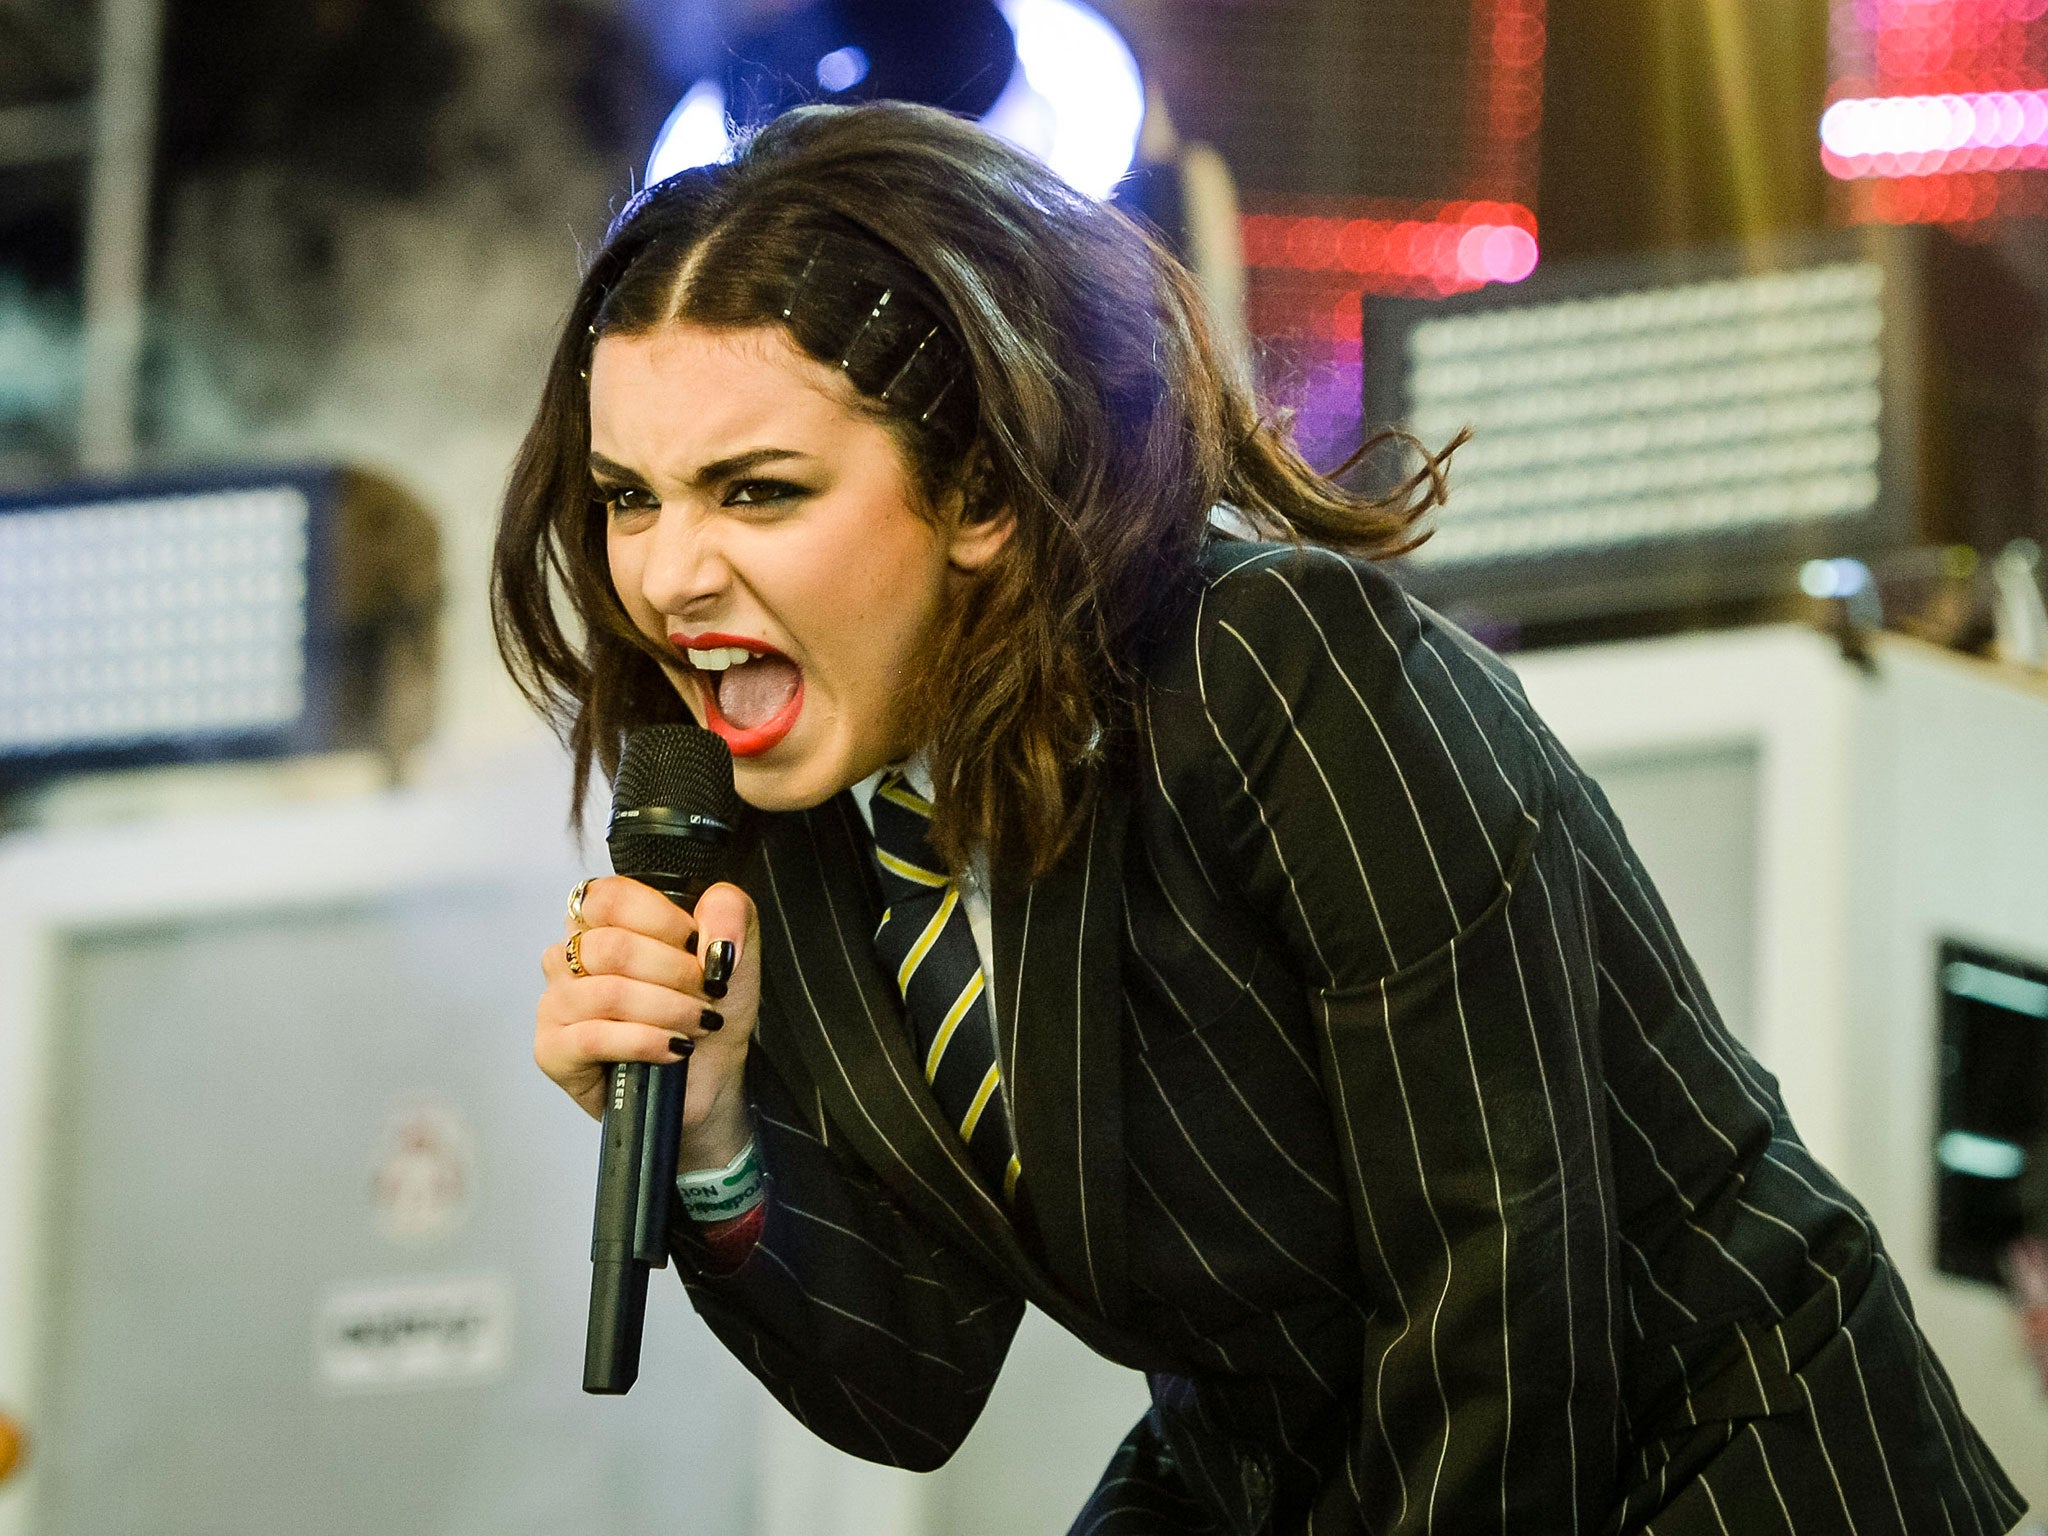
pixel 180 616
pixel 1703 408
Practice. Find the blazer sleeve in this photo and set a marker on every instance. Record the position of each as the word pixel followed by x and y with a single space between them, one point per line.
pixel 1372 807
pixel 878 1337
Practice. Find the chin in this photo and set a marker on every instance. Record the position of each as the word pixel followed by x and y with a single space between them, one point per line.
pixel 770 789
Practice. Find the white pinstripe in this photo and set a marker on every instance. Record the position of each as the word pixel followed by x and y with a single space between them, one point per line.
pixel 1315 762
pixel 1223 1185
pixel 1165 890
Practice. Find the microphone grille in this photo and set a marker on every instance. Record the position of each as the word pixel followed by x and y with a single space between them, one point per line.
pixel 680 767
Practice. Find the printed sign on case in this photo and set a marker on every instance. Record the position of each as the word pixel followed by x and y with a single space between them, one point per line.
pixel 422 1178
pixel 417 1333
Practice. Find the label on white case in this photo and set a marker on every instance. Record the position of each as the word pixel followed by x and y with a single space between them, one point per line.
pixel 416 1333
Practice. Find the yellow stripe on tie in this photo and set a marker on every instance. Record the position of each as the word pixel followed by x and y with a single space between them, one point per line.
pixel 1010 1180
pixel 908 871
pixel 925 941
pixel 898 793
pixel 981 1098
pixel 954 1015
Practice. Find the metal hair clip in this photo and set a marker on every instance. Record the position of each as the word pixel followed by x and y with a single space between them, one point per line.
pixel 908 363
pixel 944 390
pixel 846 357
pixel 803 278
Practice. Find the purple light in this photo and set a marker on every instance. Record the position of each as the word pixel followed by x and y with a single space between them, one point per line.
pixel 1496 254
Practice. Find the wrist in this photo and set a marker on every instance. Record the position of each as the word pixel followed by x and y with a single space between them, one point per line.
pixel 720 1195
pixel 715 1141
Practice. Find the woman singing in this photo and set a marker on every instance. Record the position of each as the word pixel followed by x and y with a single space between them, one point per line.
pixel 1189 934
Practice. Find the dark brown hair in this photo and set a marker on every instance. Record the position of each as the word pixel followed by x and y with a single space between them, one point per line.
pixel 1034 353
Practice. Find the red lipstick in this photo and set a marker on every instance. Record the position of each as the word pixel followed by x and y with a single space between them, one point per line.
pixel 749 741
pixel 711 637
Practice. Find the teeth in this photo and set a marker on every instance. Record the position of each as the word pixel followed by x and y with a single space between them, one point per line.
pixel 718 657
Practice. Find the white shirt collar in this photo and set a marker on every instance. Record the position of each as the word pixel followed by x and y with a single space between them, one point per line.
pixel 915 772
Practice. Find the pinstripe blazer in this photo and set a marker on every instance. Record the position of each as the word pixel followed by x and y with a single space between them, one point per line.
pixel 1367 1101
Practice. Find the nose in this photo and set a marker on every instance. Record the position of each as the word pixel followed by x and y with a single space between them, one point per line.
pixel 686 571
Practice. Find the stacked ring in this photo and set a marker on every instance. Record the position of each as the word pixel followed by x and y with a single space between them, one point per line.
pixel 575 960
pixel 576 902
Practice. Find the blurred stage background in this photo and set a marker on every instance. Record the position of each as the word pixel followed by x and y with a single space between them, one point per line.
pixel 1744 299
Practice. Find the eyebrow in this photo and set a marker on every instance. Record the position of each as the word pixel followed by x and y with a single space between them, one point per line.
pixel 602 468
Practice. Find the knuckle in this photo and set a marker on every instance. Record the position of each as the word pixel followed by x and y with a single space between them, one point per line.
pixel 597 950
pixel 608 900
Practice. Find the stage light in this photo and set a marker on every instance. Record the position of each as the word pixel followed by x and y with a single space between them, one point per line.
pixel 1981 1157
pixel 1952 94
pixel 842 69
pixel 1443 248
pixel 1856 129
pixel 1668 435
pixel 1824 579
pixel 1077 99
pixel 695 133
pixel 1074 99
pixel 169 616
pixel 1651 415
pixel 244 615
pixel 2001 989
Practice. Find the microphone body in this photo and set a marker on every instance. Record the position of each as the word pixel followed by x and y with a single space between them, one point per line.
pixel 673 812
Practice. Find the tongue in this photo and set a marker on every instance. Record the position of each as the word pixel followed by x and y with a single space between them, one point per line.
pixel 750 694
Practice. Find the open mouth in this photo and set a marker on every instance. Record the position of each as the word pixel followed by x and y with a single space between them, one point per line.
pixel 752 693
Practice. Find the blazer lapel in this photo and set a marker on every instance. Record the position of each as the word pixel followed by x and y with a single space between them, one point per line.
pixel 1059 1002
pixel 828 1001
pixel 830 1012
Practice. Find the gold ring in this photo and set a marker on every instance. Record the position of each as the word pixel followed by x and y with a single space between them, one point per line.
pixel 575 960
pixel 576 902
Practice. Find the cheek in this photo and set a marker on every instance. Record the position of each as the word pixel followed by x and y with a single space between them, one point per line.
pixel 884 605
pixel 621 555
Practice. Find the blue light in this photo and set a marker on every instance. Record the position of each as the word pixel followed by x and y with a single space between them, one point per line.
pixel 1981 1157
pixel 695 133
pixel 1075 101
pixel 842 69
pixel 2000 989
pixel 1834 578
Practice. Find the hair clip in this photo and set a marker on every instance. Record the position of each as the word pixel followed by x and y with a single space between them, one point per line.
pixel 908 363
pixel 803 278
pixel 846 357
pixel 944 390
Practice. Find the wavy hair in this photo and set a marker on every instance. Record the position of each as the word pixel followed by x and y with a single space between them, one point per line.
pixel 1034 354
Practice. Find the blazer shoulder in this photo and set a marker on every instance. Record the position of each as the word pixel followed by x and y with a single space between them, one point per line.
pixel 1299 603
pixel 1311 673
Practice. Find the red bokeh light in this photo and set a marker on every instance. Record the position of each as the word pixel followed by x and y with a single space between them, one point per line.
pixel 1992 52
pixel 1446 246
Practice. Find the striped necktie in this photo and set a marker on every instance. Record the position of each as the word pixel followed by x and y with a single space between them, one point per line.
pixel 925 940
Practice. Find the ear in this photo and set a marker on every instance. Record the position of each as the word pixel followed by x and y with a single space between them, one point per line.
pixel 971 546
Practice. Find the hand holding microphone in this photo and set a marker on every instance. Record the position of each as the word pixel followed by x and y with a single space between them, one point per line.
pixel 653 968
pixel 643 989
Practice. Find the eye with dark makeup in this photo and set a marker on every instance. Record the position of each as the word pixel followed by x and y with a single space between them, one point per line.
pixel 760 493
pixel 624 500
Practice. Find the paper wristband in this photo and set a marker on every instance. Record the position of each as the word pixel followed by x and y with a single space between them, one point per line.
pixel 719 1194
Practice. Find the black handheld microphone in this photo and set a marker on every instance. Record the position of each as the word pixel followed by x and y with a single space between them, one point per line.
pixel 673 813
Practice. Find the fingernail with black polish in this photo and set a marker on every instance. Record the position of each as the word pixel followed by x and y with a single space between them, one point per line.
pixel 711 1019
pixel 718 961
pixel 680 1046
pixel 690 944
